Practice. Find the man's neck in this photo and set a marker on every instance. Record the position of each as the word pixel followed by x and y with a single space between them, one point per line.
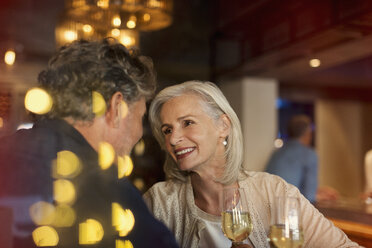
pixel 90 130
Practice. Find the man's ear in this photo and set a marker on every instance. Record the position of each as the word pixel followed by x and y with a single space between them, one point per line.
pixel 114 113
pixel 225 125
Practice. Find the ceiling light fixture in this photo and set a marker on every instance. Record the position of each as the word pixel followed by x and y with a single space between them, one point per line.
pixel 122 19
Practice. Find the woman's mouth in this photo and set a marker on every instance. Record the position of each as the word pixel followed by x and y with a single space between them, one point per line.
pixel 181 153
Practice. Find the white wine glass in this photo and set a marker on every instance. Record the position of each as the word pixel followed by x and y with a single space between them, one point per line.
pixel 236 220
pixel 286 226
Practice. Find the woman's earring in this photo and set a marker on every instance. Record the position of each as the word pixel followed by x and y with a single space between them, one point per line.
pixel 224 143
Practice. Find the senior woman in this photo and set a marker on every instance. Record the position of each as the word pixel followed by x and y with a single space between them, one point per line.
pixel 194 123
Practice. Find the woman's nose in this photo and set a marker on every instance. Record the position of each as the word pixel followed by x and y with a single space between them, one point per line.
pixel 175 137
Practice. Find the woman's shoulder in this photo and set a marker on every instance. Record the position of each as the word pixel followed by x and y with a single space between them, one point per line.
pixel 165 189
pixel 264 179
pixel 262 176
pixel 165 197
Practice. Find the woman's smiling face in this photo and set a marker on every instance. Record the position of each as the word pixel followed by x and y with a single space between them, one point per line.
pixel 192 137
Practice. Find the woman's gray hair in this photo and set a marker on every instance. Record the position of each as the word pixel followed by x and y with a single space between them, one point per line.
pixel 216 104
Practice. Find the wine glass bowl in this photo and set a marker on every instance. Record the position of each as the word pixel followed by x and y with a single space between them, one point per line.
pixel 236 220
pixel 286 227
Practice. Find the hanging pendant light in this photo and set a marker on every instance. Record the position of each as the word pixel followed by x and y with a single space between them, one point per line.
pixel 121 19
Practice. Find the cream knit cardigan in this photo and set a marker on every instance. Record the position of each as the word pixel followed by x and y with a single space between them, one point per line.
pixel 172 202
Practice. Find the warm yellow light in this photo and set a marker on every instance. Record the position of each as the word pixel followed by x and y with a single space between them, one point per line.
pixel 9 57
pixel 45 236
pixel 278 143
pixel 87 28
pixel 139 183
pixel 99 104
pixel 127 41
pixel 124 109
pixel 131 23
pixel 129 38
pixel 125 166
pixel 70 35
pixel 90 232
pixel 64 191
pixel 1 122
pixel 67 165
pixel 42 213
pixel 154 4
pixel 314 62
pixel 38 101
pixel 115 32
pixel 123 244
pixel 103 4
pixel 139 148
pixel 65 216
pixel 122 220
pixel 146 17
pixel 116 21
pixel 106 155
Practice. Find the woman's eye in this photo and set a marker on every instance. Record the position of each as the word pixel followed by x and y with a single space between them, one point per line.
pixel 188 123
pixel 167 131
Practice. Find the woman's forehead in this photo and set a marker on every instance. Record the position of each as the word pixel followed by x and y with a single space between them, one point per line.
pixel 187 105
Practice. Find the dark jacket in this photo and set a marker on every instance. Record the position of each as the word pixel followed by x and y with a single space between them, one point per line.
pixel 27 177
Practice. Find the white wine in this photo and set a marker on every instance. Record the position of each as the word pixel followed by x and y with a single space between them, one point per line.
pixel 236 225
pixel 297 238
pixel 278 237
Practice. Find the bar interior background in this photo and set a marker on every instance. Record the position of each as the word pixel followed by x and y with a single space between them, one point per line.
pixel 258 52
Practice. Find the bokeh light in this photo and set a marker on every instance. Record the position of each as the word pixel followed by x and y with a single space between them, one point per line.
pixel 127 40
pixel 45 236
pixel 124 109
pixel 125 166
pixel 1 122
pixel 87 28
pixel 42 213
pixel 122 220
pixel 106 155
pixel 123 244
pixel 67 165
pixel 132 22
pixel 146 17
pixel 65 216
pixel 115 32
pixel 70 35
pixel 278 143
pixel 38 101
pixel 9 57
pixel 103 4
pixel 314 62
pixel 139 148
pixel 90 232
pixel 116 21
pixel 99 104
pixel 139 183
pixel 64 191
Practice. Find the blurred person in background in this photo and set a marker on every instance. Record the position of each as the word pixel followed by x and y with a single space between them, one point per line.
pixel 201 134
pixel 296 162
pixel 60 187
